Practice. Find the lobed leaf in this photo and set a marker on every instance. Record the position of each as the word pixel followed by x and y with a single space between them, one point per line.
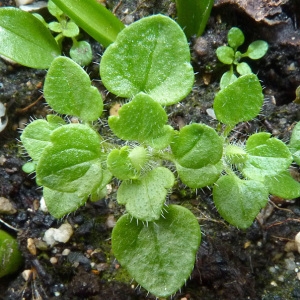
pixel 239 101
pixel 266 157
pixel 68 90
pixel 36 135
pixel 72 162
pixel 144 198
pixel 160 256
pixel 150 56
pixel 239 201
pixel 25 39
pixel 196 146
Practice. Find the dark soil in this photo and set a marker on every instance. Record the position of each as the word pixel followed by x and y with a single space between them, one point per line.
pixel 231 264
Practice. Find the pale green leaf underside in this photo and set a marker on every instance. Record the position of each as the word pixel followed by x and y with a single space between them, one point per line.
pixel 239 201
pixel 151 56
pixel 71 163
pixel 144 198
pixel 68 90
pixel 160 256
pixel 266 157
pixel 196 146
pixel 25 39
pixel 239 101
pixel 135 120
pixel 294 144
pixel 60 204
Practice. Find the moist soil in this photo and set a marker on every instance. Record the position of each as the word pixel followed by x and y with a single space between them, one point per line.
pixel 231 264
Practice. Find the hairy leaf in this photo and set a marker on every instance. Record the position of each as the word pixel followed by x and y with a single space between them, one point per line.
pixel 150 56
pixel 160 256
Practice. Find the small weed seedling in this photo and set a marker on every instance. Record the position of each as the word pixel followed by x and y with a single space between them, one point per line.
pixel 230 56
pixel 157 243
pixel 148 63
pixel 81 51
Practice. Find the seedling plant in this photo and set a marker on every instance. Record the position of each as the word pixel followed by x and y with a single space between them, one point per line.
pixel 148 64
pixel 229 55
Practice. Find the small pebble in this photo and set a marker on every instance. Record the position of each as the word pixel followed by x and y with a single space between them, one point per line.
pixel 6 207
pixel 53 260
pixel 66 252
pixel 111 221
pixel 61 235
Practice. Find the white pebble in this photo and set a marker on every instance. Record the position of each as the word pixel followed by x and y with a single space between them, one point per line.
pixel 60 235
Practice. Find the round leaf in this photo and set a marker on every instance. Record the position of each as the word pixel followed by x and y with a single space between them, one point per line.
pixel 142 120
pixel 239 201
pixel 25 39
pixel 235 37
pixel 257 49
pixel 196 146
pixel 239 101
pixel 225 55
pixel 68 90
pixel 243 68
pixel 160 256
pixel 227 78
pixel 151 56
pixel 81 53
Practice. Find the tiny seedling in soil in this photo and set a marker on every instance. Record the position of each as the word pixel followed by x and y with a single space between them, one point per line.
pixel 149 65
pixel 229 55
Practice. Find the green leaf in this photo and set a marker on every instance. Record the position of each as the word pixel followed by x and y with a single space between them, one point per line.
pixel 225 55
pixel 142 120
pixel 239 201
pixel 235 37
pixel 239 101
pixel 196 146
pixel 243 68
pixel 81 53
pixel 60 204
pixel 160 256
pixel 192 15
pixel 69 28
pixel 235 154
pixel 72 162
pixel 120 164
pixel 199 178
pixel 68 90
pixel 36 135
pixel 10 255
pixel 25 39
pixel 257 49
pixel 294 144
pixel 227 78
pixel 151 56
pixel 283 185
pixel 54 10
pixel 144 198
pixel 94 18
pixel 55 27
pixel 266 157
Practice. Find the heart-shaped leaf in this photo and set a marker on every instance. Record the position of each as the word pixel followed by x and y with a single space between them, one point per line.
pixel 142 120
pixel 72 162
pixel 144 198
pixel 239 101
pixel 196 146
pixel 68 90
pixel 151 56
pixel 25 39
pixel 266 157
pixel 239 201
pixel 160 256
